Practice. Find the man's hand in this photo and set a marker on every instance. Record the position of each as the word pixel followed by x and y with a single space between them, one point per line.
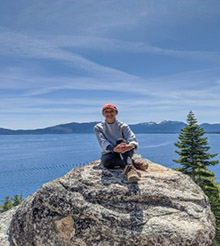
pixel 123 147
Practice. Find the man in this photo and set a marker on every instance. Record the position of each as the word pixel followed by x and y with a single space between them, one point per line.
pixel 118 143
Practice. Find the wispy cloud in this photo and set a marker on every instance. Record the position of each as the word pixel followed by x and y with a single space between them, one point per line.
pixel 17 44
pixel 53 48
pixel 142 94
pixel 117 45
pixel 148 87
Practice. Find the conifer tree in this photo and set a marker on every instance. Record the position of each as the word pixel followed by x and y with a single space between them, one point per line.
pixel 193 148
pixel 195 161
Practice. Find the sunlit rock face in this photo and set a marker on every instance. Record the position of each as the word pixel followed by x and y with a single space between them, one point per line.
pixel 95 206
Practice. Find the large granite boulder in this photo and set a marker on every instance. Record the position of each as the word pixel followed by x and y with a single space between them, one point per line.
pixel 94 206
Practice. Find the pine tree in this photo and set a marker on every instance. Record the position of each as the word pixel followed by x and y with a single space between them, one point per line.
pixel 193 148
pixel 195 160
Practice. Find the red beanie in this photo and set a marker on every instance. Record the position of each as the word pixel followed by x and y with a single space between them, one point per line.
pixel 109 105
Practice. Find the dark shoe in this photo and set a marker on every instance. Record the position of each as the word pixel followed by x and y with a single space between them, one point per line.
pixel 131 173
pixel 140 164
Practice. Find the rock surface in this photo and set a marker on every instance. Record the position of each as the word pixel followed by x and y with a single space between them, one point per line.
pixel 94 206
pixel 5 219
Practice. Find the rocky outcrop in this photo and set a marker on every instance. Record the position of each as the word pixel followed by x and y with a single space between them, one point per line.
pixel 94 206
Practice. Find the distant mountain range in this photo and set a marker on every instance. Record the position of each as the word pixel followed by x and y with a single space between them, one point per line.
pixel 146 127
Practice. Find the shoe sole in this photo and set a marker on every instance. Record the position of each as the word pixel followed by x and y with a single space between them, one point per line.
pixel 133 180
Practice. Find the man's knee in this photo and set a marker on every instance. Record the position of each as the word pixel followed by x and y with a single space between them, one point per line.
pixel 110 161
pixel 107 160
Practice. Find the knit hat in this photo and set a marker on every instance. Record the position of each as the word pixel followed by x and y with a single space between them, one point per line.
pixel 111 106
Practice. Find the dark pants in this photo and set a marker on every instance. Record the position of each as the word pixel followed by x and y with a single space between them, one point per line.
pixel 116 160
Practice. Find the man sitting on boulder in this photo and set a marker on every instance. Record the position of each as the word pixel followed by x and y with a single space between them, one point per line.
pixel 118 143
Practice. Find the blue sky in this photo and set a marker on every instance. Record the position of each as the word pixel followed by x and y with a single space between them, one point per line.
pixel 61 61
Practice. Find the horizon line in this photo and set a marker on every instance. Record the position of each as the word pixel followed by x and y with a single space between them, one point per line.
pixel 102 121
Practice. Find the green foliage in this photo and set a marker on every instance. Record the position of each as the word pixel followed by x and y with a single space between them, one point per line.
pixel 195 160
pixel 215 204
pixel 8 203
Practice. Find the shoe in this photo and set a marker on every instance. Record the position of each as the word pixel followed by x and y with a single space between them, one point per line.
pixel 131 173
pixel 140 164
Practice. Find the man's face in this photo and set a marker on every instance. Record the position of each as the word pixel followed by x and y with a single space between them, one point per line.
pixel 109 114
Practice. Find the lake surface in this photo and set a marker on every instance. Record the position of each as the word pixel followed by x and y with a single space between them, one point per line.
pixel 28 161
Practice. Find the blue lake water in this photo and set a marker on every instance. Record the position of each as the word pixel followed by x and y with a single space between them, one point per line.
pixel 28 161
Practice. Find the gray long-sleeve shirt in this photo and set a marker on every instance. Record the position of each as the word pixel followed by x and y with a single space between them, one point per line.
pixel 107 134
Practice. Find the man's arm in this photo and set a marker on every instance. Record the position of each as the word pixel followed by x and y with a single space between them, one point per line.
pixel 103 142
pixel 130 137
